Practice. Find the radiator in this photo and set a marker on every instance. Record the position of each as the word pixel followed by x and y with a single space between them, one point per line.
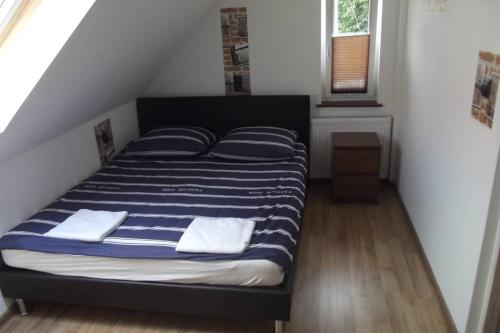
pixel 321 140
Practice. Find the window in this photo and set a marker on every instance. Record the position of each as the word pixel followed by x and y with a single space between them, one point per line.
pixel 351 60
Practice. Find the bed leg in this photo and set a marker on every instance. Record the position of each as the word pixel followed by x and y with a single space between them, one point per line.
pixel 279 326
pixel 22 306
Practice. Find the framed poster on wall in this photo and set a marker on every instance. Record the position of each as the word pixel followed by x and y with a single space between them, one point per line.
pixel 486 88
pixel 235 51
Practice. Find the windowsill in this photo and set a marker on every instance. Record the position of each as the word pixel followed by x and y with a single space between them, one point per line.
pixel 350 104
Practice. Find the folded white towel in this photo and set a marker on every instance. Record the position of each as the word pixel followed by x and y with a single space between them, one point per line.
pixel 216 235
pixel 88 225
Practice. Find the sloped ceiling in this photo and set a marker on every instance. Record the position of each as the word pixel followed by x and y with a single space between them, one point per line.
pixel 110 59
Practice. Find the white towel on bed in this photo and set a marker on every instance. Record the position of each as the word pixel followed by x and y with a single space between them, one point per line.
pixel 88 225
pixel 216 235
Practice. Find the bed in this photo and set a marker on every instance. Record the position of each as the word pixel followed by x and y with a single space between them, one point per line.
pixel 264 295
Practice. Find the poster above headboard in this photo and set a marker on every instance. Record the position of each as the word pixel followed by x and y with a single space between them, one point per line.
pixel 235 51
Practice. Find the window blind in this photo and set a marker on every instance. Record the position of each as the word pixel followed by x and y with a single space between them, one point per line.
pixel 350 63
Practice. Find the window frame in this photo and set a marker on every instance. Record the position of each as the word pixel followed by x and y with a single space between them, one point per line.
pixel 19 10
pixel 373 61
pixel 11 12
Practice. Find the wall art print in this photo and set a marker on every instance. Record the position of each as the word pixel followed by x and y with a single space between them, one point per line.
pixel 105 142
pixel 486 88
pixel 235 51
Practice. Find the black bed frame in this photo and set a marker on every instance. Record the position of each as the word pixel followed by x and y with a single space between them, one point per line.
pixel 218 114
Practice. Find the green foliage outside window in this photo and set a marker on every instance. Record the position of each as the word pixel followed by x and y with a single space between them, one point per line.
pixel 353 16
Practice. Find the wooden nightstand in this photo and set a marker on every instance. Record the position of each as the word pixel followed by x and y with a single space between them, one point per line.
pixel 355 167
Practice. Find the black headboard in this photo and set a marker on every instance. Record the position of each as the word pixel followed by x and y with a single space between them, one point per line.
pixel 222 113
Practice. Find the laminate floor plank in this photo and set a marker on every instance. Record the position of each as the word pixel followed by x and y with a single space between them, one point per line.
pixel 359 271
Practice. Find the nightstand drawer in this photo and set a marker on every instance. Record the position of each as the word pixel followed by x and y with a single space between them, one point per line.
pixel 361 187
pixel 356 161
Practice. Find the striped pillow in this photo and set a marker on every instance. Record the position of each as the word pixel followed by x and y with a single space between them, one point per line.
pixel 173 141
pixel 257 143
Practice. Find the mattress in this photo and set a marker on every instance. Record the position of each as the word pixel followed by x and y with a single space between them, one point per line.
pixel 221 272
pixel 162 197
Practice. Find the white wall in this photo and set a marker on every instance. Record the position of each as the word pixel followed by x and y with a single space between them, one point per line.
pixel 35 178
pixel 284 38
pixel 285 56
pixel 448 159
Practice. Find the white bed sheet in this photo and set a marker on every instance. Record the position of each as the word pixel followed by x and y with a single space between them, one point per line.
pixel 231 272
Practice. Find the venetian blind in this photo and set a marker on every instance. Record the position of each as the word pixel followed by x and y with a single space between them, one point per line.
pixel 350 63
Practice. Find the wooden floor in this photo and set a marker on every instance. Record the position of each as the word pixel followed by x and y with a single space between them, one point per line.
pixel 359 271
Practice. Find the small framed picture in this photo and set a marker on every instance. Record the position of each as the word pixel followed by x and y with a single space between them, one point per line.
pixel 104 140
pixel 239 54
pixel 486 88
pixel 242 83
pixel 226 25
pixel 242 26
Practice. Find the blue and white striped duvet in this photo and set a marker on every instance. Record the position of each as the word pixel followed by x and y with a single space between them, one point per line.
pixel 162 197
